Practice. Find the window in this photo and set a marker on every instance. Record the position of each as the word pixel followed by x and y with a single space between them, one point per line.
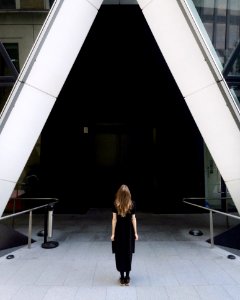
pixel 32 4
pixel 26 4
pixel 7 75
pixel 7 4
pixel 51 2
pixel 12 50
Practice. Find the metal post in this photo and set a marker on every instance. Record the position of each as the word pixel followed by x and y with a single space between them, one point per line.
pixel 14 210
pixel 50 223
pixel 48 227
pixel 211 229
pixel 30 229
pixel 45 224
pixel 227 219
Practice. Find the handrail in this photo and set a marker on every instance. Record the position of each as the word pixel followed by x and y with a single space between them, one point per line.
pixel 207 208
pixel 210 214
pixel 30 210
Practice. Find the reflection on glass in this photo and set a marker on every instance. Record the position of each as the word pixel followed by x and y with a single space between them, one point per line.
pixel 221 19
pixel 12 50
pixel 221 8
pixel 209 28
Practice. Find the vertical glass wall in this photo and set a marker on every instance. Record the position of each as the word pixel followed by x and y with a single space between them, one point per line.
pixel 221 19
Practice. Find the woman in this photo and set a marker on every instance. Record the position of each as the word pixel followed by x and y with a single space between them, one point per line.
pixel 124 232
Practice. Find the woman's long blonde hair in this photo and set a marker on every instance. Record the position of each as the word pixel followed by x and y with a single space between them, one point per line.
pixel 123 200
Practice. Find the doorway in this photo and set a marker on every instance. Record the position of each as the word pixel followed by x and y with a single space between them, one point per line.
pixel 120 118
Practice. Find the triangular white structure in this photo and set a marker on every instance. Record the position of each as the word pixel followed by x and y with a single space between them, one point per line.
pixel 186 51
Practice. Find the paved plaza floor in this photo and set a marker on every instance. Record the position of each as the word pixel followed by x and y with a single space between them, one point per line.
pixel 169 263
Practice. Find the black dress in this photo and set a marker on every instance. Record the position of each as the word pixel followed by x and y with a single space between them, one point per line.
pixel 124 241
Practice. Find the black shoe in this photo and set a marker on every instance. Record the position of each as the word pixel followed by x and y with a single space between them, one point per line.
pixel 127 280
pixel 122 281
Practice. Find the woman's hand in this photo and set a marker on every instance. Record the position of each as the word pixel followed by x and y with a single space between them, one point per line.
pixel 136 236
pixel 112 238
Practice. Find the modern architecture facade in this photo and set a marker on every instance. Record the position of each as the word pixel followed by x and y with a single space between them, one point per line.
pixel 108 134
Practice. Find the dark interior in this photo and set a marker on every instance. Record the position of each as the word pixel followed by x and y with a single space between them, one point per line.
pixel 140 131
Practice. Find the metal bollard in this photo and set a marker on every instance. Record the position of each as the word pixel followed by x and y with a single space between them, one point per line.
pixel 48 220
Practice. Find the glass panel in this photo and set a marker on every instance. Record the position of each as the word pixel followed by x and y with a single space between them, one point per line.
pixel 234 7
pixel 209 28
pixel 233 37
pixel 4 70
pixel 32 4
pixel 221 19
pixel 203 15
pixel 236 67
pixel 7 4
pixel 26 4
pixel 4 93
pixel 220 36
pixel 12 49
pixel 51 2
pixel 233 42
pixel 221 8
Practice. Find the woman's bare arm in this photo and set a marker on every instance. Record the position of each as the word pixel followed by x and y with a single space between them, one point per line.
pixel 114 222
pixel 134 222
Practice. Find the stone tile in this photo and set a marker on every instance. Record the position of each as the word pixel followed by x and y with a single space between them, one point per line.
pixel 32 292
pixel 213 292
pixel 61 293
pixel 168 262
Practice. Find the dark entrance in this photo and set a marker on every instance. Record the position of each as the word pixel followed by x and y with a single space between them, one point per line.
pixel 120 118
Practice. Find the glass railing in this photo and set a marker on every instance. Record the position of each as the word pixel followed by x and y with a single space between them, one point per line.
pixel 221 20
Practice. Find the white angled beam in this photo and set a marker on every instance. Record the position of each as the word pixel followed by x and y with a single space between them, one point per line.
pixel 193 62
pixel 39 84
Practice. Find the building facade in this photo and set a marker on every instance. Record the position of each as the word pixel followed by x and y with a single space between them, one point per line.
pixel 112 145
